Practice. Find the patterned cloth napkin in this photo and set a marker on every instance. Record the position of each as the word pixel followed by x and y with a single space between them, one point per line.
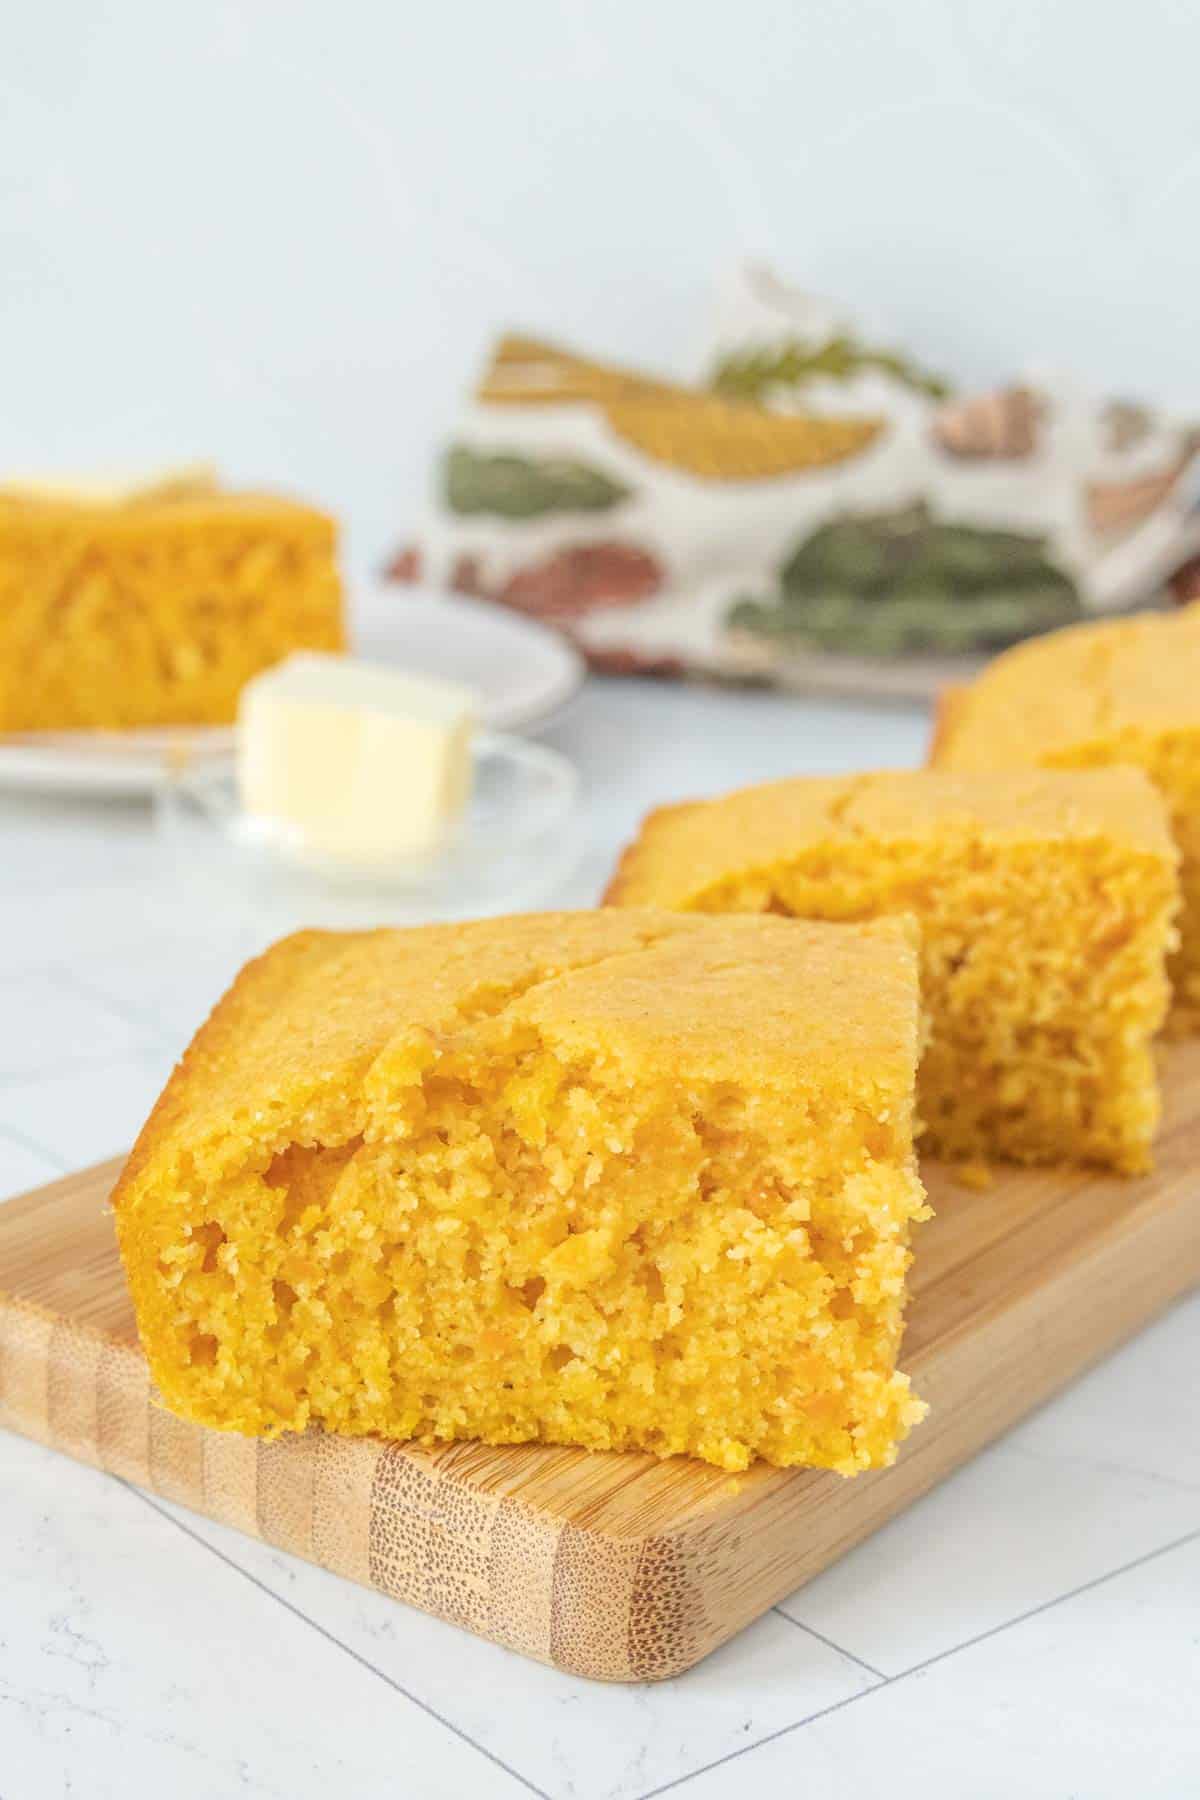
pixel 820 510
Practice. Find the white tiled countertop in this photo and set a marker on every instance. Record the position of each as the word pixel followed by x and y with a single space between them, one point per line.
pixel 1031 1628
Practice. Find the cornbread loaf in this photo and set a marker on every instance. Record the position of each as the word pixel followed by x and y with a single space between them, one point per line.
pixel 1123 691
pixel 614 1179
pixel 1046 904
pixel 155 611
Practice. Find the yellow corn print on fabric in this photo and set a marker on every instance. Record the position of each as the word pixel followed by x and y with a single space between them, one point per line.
pixel 720 441
pixel 690 430
pixel 526 371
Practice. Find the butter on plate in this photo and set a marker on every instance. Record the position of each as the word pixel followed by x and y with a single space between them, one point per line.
pixel 353 759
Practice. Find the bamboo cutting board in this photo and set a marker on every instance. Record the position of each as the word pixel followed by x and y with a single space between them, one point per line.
pixel 613 1566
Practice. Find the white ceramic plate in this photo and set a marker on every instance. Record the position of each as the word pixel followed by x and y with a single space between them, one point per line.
pixel 521 670
pixel 108 763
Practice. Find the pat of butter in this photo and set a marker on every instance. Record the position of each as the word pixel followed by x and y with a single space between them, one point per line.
pixel 354 759
pixel 193 481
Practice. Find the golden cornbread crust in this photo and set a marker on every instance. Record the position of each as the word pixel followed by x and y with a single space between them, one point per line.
pixel 946 709
pixel 156 612
pixel 617 1179
pixel 1119 691
pixel 1046 903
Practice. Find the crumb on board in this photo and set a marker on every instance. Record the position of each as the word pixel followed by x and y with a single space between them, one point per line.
pixel 976 1175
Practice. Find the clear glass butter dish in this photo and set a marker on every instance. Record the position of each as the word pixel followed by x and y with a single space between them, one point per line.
pixel 516 840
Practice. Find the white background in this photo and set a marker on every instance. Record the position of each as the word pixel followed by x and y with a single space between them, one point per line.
pixel 281 232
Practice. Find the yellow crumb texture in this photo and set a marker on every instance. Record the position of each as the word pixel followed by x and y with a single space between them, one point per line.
pixel 977 1176
pixel 155 612
pixel 1122 691
pixel 615 1179
pixel 1046 904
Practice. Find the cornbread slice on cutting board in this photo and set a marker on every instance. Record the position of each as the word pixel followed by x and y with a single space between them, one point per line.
pixel 1122 691
pixel 154 607
pixel 613 1179
pixel 1046 903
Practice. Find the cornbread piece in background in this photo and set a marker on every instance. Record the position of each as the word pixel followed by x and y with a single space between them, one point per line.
pixel 353 759
pixel 1127 691
pixel 1046 904
pixel 621 1180
pixel 155 608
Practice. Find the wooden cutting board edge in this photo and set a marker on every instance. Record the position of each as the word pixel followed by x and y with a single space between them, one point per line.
pixel 613 1567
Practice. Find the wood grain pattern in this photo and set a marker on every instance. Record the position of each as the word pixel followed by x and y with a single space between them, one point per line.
pixel 618 1567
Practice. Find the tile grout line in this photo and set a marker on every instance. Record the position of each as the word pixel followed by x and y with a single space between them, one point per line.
pixel 330 1637
pixel 1034 1612
pixel 158 1032
pixel 36 1149
pixel 829 1644
pixel 84 1065
pixel 928 1663
pixel 760 1743
pixel 141 1017
pixel 1104 1468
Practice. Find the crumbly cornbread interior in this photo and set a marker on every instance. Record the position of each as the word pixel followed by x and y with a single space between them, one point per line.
pixel 157 611
pixel 612 1179
pixel 1122 691
pixel 1046 905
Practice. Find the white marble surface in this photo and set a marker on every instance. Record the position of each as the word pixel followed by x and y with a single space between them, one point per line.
pixel 1032 1627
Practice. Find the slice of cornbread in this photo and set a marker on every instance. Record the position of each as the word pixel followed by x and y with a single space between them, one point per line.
pixel 609 1179
pixel 1045 902
pixel 1123 691
pixel 155 610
